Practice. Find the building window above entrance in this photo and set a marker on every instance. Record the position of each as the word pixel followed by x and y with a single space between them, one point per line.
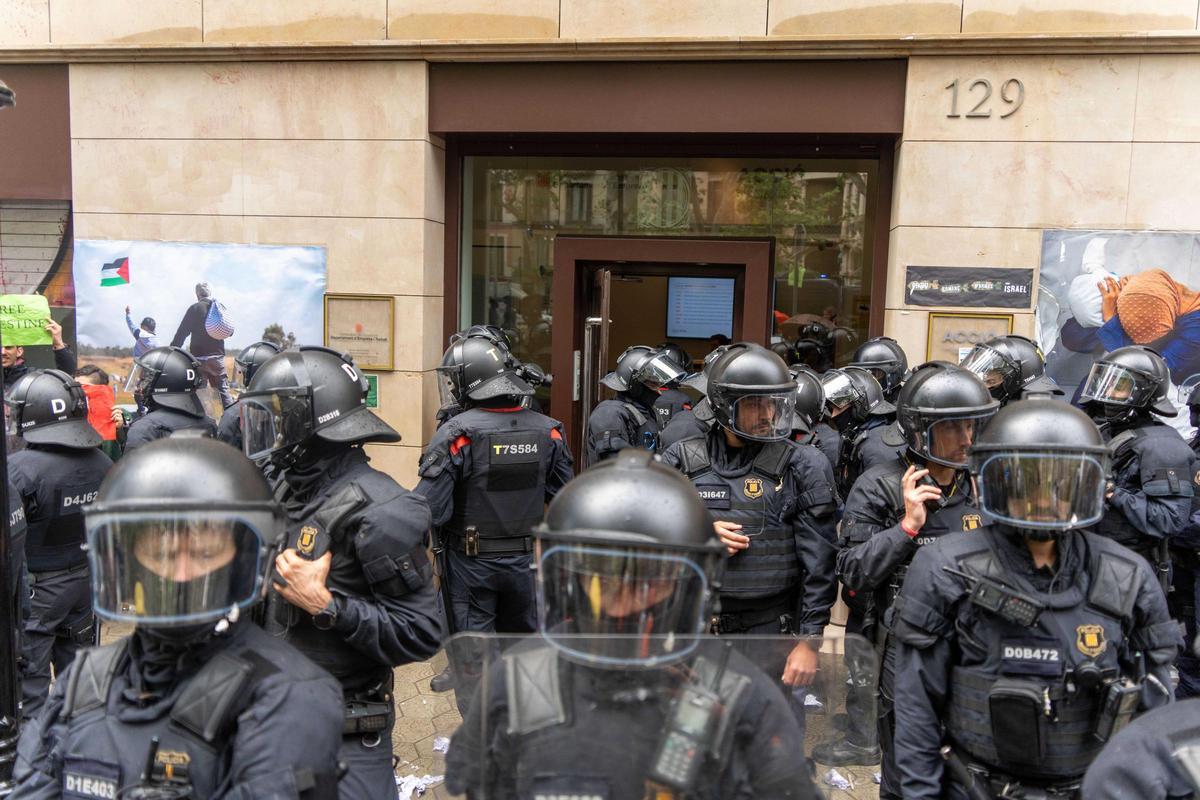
pixel 819 214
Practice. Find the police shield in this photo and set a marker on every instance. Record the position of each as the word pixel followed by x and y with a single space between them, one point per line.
pixel 548 716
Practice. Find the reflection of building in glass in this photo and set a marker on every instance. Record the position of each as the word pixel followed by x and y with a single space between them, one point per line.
pixel 816 213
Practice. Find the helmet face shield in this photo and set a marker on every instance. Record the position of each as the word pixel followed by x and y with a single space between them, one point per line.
pixel 445 383
pixel 840 391
pixel 176 567
pixel 621 606
pixel 763 417
pixel 1116 385
pixel 139 379
pixel 275 420
pixel 992 367
pixel 1048 489
pixel 660 371
pixel 946 440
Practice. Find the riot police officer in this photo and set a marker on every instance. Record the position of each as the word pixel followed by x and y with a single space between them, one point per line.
pixel 892 511
pixel 354 590
pixel 671 400
pixel 863 419
pixel 1155 757
pixel 1026 644
pixel 772 502
pixel 810 406
pixel 487 476
pixel 57 473
pixel 697 420
pixel 629 419
pixel 886 360
pixel 198 702
pixel 246 363
pixel 827 436
pixel 1154 470
pixel 166 380
pixel 627 563
pixel 1013 368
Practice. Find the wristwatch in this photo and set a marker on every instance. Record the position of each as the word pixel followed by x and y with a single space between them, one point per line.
pixel 326 618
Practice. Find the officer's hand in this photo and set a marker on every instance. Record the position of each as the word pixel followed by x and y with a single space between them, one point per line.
pixel 916 494
pixel 55 331
pixel 801 667
pixel 305 588
pixel 727 532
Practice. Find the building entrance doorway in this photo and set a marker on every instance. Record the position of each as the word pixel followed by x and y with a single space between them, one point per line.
pixel 614 292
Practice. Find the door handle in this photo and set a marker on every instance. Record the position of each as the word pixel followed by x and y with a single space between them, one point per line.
pixel 588 375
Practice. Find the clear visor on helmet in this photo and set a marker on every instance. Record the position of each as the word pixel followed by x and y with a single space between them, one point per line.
pixel 988 364
pixel 1042 489
pixel 840 391
pixel 763 417
pixel 946 440
pixel 138 378
pixel 176 567
pixel 445 384
pixel 660 371
pixel 621 606
pixel 274 421
pixel 239 383
pixel 1110 383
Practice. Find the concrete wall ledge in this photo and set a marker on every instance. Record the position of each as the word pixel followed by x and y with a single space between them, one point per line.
pixel 649 49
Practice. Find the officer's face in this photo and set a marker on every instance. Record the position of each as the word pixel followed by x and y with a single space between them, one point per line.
pixel 11 355
pixel 993 379
pixel 756 415
pixel 951 439
pixel 185 554
pixel 620 598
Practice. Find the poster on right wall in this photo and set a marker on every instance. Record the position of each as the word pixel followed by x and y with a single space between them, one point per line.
pixel 1100 290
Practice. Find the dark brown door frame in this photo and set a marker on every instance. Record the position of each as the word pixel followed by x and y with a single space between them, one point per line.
pixel 576 256
pixel 799 146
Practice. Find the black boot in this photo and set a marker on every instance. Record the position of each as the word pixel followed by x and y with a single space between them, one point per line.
pixel 843 752
pixel 443 681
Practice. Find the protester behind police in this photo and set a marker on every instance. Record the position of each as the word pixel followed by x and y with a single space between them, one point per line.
pixel 353 589
pixel 57 473
pixel 103 413
pixel 892 511
pixel 487 476
pixel 197 701
pixel 165 380
pixel 208 351
pixel 12 359
pixel 773 504
pixel 1154 471
pixel 887 362
pixel 1155 757
pixel 671 400
pixel 144 337
pixel 1025 645
pixel 629 419
pixel 625 556
pixel 1013 368
pixel 245 364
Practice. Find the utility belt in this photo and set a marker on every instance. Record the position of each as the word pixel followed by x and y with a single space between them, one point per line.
pixel 779 609
pixel 45 575
pixel 369 714
pixel 472 543
pixel 984 783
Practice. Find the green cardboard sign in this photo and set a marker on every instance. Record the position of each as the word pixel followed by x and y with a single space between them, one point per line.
pixel 23 319
pixel 372 391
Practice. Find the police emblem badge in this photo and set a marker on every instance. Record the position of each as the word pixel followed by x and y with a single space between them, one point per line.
pixel 971 521
pixel 753 488
pixel 1090 640
pixel 307 540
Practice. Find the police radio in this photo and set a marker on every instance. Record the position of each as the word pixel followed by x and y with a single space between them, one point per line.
pixel 1003 601
pixel 690 727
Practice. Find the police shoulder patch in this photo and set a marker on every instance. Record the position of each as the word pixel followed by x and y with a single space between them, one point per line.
pixel 307 539
pixel 1090 640
pixel 971 521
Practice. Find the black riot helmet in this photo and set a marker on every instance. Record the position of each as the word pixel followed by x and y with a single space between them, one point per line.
pixel 1130 378
pixel 940 409
pixel 810 399
pixel 868 398
pixel 168 377
pixel 699 380
pixel 628 565
pixel 306 394
pixel 1010 365
pixel 249 360
pixel 752 393
pixel 492 333
pixel 1193 403
pixel 677 354
pixel 1041 465
pixel 46 406
pixel 170 551
pixel 884 358
pixel 643 365
pixel 475 369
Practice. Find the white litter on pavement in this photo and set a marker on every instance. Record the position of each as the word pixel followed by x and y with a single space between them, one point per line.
pixel 411 786
pixel 878 778
pixel 441 744
pixel 812 701
pixel 837 780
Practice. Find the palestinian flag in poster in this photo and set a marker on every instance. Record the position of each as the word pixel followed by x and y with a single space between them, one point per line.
pixel 115 273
